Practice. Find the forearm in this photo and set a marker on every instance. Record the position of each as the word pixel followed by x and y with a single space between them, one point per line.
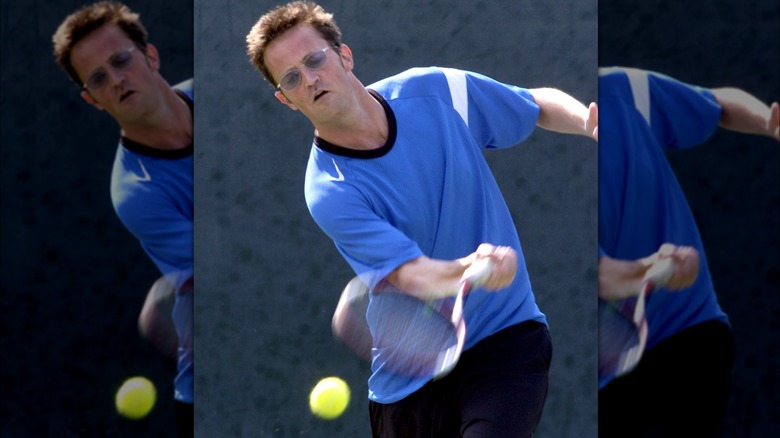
pixel 427 278
pixel 743 112
pixel 562 113
pixel 619 278
pixel 424 276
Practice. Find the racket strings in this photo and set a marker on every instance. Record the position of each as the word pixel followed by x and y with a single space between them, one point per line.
pixel 411 337
pixel 622 335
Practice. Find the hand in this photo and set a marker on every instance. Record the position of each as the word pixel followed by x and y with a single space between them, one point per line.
pixel 619 279
pixel 773 124
pixel 504 260
pixel 592 122
pixel 686 265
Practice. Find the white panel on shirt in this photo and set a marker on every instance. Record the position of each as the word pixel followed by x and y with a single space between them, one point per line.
pixel 456 80
pixel 639 88
pixel 641 91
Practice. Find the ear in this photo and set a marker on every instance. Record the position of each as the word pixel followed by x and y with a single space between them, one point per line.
pixel 282 98
pixel 346 57
pixel 152 57
pixel 91 100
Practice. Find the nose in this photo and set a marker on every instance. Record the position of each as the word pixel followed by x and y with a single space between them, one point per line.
pixel 115 76
pixel 308 77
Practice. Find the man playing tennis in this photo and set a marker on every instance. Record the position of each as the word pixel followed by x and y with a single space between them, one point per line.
pixel 104 49
pixel 681 385
pixel 397 179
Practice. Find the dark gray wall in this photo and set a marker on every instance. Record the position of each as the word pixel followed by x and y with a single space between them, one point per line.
pixel 72 278
pixel 268 279
pixel 733 181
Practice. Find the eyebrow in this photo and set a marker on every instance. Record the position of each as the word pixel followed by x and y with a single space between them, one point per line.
pixel 301 61
pixel 109 60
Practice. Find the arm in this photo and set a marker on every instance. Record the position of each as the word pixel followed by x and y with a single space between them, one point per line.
pixel 562 113
pixel 743 112
pixel 621 278
pixel 427 278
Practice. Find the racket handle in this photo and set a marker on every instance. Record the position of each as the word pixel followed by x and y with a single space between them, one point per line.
pixel 479 272
pixel 660 273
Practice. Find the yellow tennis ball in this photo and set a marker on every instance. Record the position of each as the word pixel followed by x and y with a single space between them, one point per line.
pixel 329 398
pixel 136 398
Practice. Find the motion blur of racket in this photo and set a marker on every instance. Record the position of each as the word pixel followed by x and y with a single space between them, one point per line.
pixel 623 324
pixel 155 322
pixel 411 337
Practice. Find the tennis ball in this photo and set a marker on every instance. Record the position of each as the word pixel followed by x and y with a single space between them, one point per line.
pixel 329 398
pixel 136 398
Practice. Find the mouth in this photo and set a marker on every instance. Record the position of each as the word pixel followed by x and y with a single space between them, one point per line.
pixel 125 95
pixel 319 94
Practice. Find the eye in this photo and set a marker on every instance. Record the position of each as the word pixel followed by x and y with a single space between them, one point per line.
pixel 97 80
pixel 122 60
pixel 290 80
pixel 315 60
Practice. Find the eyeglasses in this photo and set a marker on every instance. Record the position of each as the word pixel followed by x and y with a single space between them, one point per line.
pixel 118 61
pixel 314 61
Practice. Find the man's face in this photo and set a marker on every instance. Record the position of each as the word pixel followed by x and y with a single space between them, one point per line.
pixel 320 93
pixel 127 92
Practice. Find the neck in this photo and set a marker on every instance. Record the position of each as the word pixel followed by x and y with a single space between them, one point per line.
pixel 365 128
pixel 169 127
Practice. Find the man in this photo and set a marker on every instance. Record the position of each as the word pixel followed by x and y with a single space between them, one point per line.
pixel 681 385
pixel 397 179
pixel 104 49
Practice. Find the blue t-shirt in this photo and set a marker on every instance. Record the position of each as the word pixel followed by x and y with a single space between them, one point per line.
pixel 428 191
pixel 641 203
pixel 152 193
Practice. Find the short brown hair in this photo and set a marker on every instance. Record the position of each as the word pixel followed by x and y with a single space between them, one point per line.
pixel 88 19
pixel 283 18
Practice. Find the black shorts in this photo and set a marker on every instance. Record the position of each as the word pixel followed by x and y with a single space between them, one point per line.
pixel 185 419
pixel 498 389
pixel 679 389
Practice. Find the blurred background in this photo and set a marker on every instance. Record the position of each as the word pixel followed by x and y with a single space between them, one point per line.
pixel 269 279
pixel 73 280
pixel 732 181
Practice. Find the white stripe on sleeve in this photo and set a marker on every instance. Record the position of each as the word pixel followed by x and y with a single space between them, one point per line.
pixel 641 91
pixel 456 80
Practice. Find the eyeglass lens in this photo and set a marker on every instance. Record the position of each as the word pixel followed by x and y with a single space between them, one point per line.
pixel 118 62
pixel 314 61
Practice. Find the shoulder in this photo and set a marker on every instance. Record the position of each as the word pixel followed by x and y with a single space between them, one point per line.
pixel 612 79
pixel 680 114
pixel 439 83
pixel 647 89
pixel 417 81
pixel 186 87
pixel 429 76
pixel 622 80
pixel 414 74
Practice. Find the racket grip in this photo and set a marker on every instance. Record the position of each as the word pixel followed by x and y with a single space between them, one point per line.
pixel 660 273
pixel 479 272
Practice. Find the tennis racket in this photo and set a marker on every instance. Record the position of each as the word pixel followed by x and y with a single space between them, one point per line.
pixel 155 322
pixel 406 335
pixel 623 324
